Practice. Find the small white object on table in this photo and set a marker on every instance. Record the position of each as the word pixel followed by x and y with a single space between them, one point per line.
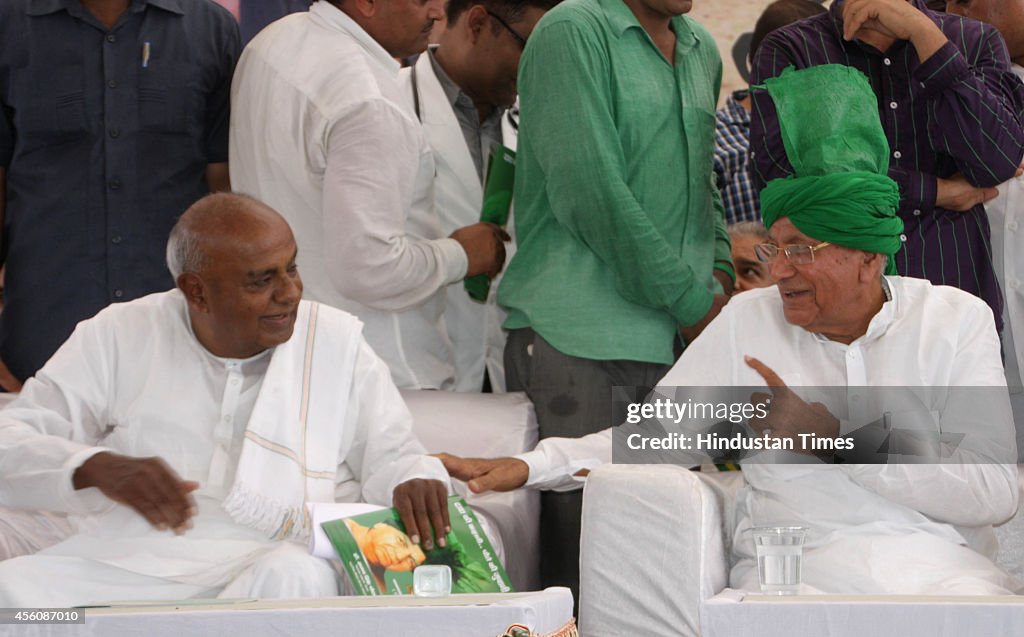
pixel 485 615
pixel 733 612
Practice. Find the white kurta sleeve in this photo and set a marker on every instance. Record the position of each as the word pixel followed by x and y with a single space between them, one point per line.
pixel 373 165
pixel 977 485
pixel 384 452
pixel 54 425
pixel 555 461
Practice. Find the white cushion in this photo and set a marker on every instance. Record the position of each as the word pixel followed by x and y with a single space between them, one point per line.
pixel 652 548
pixel 487 426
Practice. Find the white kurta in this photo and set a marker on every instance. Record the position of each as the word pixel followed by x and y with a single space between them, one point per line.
pixel 478 340
pixel 859 516
pixel 1006 217
pixel 322 132
pixel 134 380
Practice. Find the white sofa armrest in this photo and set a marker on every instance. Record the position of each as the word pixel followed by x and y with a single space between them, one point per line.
pixel 653 547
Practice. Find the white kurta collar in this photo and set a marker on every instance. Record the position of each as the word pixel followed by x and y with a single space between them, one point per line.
pixel 879 322
pixel 334 18
pixel 186 319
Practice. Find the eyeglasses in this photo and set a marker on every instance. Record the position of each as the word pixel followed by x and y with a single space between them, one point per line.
pixel 796 254
pixel 520 39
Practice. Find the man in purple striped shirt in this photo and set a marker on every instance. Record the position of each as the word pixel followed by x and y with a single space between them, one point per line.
pixel 950 107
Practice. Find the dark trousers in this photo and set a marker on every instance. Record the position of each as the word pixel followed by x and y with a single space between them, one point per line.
pixel 572 397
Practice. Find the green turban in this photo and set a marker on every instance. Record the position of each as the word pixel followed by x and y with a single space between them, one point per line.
pixel 828 117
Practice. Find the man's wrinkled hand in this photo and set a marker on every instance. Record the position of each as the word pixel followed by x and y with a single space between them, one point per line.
pixel 423 506
pixel 788 414
pixel 956 193
pixel 481 474
pixel 484 244
pixel 147 485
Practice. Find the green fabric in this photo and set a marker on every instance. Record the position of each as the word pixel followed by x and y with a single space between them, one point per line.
pixel 856 210
pixel 618 223
pixel 839 191
pixel 829 120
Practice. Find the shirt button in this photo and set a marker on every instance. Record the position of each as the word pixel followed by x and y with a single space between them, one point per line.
pixel 917 213
pixel 897 154
pixel 227 418
pixel 118 293
pixel 1012 226
pixel 115 132
pixel 893 105
pixel 111 83
pixel 1015 284
pixel 111 38
pixel 903 237
pixel 887 62
pixel 116 239
pixel 115 184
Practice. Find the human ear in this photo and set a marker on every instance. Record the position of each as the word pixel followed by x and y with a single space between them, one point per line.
pixel 194 289
pixel 871 266
pixel 476 20
pixel 366 8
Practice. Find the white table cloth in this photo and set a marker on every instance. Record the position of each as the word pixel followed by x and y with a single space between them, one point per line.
pixel 544 612
pixel 733 612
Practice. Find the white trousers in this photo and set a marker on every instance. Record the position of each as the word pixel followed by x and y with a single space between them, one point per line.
pixel 284 571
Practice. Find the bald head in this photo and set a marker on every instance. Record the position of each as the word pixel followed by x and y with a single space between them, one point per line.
pixel 217 221
pixel 233 258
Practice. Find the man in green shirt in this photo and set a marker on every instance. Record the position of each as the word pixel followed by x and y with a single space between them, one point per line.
pixel 622 241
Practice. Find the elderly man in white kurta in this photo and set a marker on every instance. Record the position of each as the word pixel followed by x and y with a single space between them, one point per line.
pixel 834 325
pixel 191 427
pixel 920 525
pixel 322 132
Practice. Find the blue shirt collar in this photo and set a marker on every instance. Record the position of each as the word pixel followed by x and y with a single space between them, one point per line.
pixel 734 111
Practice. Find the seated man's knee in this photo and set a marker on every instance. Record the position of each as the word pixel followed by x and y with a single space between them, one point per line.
pixel 286 571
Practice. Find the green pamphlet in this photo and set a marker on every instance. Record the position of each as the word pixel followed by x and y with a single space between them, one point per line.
pixel 501 174
pixel 379 557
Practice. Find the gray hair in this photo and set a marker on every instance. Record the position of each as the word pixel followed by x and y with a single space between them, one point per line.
pixel 748 228
pixel 183 251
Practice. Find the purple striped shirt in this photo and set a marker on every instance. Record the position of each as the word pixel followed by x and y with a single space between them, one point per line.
pixel 959 111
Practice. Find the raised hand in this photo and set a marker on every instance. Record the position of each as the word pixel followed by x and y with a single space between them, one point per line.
pixel 788 414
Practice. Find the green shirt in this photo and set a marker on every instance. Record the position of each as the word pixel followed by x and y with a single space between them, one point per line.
pixel 618 221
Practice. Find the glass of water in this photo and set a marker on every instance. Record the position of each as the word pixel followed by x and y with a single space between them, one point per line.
pixel 779 549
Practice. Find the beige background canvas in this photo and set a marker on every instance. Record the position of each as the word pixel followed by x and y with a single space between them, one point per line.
pixel 727 20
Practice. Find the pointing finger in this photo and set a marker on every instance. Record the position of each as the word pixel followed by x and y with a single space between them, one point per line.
pixel 767 373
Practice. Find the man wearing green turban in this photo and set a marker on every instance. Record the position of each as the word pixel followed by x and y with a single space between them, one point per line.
pixel 839 191
pixel 837 330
